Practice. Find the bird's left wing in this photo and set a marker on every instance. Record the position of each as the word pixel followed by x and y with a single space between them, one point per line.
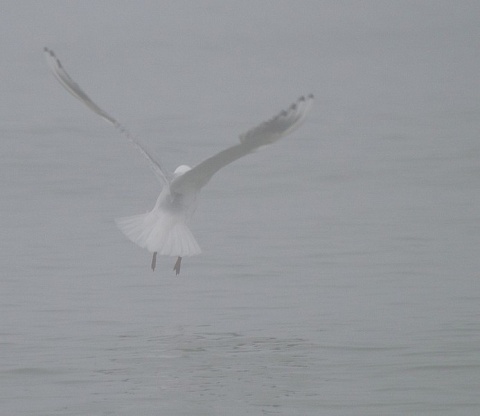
pixel 73 88
pixel 262 135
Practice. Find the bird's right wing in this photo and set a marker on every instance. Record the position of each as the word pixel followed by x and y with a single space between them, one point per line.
pixel 262 135
pixel 73 88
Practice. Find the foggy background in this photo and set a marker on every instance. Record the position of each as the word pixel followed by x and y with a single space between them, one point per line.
pixel 340 267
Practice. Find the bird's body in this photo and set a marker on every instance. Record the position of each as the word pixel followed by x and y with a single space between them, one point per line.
pixel 164 229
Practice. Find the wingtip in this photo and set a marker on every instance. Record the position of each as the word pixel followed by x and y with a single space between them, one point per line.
pixel 52 58
pixel 49 53
pixel 304 98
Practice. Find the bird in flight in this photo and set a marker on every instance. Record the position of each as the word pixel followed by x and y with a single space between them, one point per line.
pixel 164 229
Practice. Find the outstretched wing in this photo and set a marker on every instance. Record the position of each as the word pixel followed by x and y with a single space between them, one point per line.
pixel 73 88
pixel 262 135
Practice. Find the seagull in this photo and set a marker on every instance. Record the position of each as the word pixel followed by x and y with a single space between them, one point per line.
pixel 164 229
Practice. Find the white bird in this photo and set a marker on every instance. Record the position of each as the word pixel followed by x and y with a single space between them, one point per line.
pixel 164 230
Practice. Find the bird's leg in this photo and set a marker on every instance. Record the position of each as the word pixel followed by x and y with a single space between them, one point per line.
pixel 154 260
pixel 177 266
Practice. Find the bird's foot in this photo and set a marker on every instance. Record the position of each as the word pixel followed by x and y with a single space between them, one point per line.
pixel 154 260
pixel 177 266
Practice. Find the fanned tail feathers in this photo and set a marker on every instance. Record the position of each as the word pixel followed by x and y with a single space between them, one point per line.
pixel 160 232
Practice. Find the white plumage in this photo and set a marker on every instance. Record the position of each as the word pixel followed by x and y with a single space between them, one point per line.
pixel 164 230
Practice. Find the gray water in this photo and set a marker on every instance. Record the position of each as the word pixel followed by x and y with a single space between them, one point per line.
pixel 340 267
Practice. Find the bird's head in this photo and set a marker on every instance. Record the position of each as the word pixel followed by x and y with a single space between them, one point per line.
pixel 181 170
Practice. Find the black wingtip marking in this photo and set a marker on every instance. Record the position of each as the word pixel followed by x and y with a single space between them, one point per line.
pixel 50 52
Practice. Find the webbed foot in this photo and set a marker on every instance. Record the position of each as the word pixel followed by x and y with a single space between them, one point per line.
pixel 154 260
pixel 177 266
